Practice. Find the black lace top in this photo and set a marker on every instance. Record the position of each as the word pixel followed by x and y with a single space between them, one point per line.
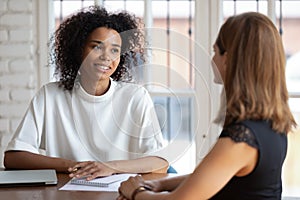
pixel 240 133
pixel 264 182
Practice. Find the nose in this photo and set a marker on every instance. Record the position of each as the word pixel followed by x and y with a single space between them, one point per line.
pixel 104 55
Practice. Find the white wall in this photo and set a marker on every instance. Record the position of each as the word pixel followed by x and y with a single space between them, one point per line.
pixel 18 64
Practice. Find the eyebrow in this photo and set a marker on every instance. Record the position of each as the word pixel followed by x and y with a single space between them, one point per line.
pixel 100 42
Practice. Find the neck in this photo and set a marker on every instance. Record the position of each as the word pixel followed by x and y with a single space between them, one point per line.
pixel 97 88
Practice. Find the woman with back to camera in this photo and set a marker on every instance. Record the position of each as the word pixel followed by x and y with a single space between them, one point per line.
pixel 92 122
pixel 246 161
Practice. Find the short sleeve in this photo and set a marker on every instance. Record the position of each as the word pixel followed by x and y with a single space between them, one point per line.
pixel 28 135
pixel 240 133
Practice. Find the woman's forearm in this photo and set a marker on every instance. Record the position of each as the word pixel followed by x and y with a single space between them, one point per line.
pixel 148 195
pixel 149 164
pixel 27 160
pixel 171 183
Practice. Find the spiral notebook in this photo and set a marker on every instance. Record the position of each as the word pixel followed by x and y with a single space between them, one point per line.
pixel 99 182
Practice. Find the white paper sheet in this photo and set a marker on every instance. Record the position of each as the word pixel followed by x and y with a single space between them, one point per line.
pixel 113 187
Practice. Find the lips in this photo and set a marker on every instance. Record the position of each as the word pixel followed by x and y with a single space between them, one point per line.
pixel 102 68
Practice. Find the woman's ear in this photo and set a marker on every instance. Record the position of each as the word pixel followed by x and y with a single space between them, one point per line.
pixel 224 63
pixel 224 58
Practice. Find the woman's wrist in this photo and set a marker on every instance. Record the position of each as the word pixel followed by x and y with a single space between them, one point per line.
pixel 64 164
pixel 139 190
pixel 114 166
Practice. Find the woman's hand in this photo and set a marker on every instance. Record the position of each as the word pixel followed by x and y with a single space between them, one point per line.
pixel 120 197
pixel 154 185
pixel 127 188
pixel 91 169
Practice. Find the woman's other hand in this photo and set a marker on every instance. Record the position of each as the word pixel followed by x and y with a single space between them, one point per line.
pixel 127 188
pixel 154 185
pixel 90 169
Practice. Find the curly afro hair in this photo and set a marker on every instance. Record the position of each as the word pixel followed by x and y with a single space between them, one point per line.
pixel 69 39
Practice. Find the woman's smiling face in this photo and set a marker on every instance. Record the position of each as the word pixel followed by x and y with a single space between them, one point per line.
pixel 101 54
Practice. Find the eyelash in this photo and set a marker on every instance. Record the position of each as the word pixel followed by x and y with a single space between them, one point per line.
pixel 113 50
pixel 97 47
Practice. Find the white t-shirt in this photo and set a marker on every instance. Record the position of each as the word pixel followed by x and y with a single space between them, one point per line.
pixel 121 124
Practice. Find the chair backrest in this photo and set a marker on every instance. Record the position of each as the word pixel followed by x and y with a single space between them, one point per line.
pixel 171 170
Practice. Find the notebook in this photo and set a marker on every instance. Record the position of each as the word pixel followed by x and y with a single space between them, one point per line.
pixel 101 182
pixel 27 177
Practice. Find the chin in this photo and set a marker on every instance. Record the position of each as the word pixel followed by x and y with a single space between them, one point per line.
pixel 103 77
pixel 218 81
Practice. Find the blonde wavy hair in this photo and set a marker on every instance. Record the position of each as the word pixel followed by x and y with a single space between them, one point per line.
pixel 255 84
